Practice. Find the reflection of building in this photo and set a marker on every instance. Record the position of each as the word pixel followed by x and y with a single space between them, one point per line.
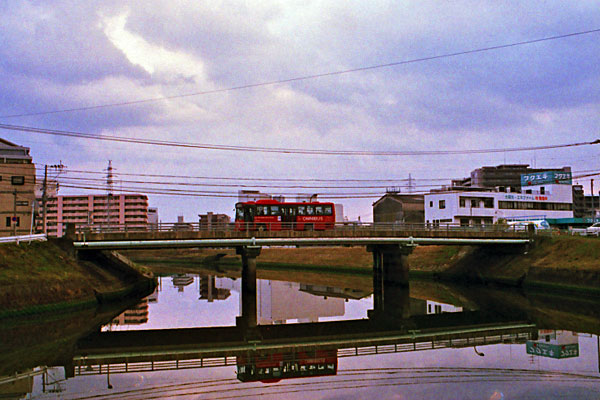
pixel 180 281
pixel 328 291
pixel 279 301
pixel 134 316
pixel 209 290
pixel 17 189
pixel 126 210
pixel 554 344
pixel 434 307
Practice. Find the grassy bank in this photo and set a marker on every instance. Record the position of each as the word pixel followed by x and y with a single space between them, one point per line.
pixel 45 276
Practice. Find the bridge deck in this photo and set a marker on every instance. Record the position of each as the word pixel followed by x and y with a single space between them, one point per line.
pixel 357 235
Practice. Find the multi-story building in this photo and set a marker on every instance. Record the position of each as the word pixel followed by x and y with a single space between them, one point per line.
pixel 541 196
pixel 129 211
pixel 210 221
pixel 505 177
pixel 399 208
pixel 17 189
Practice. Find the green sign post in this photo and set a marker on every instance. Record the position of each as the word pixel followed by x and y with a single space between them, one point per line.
pixel 552 350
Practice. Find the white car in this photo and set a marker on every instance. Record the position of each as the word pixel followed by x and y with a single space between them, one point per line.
pixel 593 230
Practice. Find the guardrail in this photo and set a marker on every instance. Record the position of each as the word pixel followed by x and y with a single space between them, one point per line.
pixel 24 238
pixel 318 226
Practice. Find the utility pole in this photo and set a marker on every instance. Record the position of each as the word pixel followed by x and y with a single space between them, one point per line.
pixel 14 222
pixel 109 188
pixel 592 190
pixel 45 199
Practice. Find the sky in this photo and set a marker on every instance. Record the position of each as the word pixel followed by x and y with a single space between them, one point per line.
pixel 206 63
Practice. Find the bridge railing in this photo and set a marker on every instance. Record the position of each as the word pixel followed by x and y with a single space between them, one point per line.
pixel 279 226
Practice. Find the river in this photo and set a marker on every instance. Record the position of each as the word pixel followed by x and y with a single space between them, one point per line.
pixel 328 338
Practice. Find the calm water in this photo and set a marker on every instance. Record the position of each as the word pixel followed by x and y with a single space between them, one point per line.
pixel 551 352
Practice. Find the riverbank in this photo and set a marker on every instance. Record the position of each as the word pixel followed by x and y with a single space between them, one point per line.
pixel 45 276
pixel 559 263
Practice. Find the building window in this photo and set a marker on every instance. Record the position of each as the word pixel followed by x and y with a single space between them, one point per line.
pixel 442 204
pixel 488 203
pixel 462 202
pixel 17 180
pixel 431 204
pixel 9 220
pixel 542 190
pixel 474 203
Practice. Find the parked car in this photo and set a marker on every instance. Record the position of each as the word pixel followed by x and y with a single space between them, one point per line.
pixel 538 225
pixel 593 230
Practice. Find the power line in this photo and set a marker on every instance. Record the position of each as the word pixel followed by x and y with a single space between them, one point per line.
pixel 313 76
pixel 280 150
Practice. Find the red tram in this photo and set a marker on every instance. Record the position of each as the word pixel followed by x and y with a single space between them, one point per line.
pixel 275 216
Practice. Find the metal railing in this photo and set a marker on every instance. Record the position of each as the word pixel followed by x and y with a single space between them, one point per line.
pixel 84 367
pixel 23 238
pixel 292 226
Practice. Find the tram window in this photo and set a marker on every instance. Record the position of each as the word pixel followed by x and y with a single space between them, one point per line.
pixel 319 210
pixel 274 210
pixel 301 210
pixel 262 210
pixel 327 210
pixel 239 213
pixel 310 210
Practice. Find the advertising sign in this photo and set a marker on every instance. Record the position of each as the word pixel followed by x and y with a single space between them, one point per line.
pixel 541 178
pixel 552 350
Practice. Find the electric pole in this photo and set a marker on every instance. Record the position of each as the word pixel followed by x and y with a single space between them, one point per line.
pixel 45 199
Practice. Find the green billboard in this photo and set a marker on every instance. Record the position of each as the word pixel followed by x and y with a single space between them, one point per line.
pixel 547 177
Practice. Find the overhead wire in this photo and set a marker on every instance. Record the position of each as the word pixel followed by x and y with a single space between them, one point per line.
pixel 281 150
pixel 311 76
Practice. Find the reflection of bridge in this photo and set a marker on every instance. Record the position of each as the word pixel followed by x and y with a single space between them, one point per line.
pixel 154 350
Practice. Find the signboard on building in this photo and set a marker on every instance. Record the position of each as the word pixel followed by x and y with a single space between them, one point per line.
pixel 548 177
pixel 552 350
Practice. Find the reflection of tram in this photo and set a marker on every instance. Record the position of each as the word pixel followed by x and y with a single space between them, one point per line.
pixel 269 368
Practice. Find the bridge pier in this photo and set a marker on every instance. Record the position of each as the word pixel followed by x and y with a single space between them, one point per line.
pixel 390 264
pixel 390 281
pixel 248 319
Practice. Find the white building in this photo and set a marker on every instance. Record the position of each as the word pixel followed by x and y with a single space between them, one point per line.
pixel 543 195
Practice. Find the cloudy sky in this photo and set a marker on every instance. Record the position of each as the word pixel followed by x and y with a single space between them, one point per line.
pixel 65 55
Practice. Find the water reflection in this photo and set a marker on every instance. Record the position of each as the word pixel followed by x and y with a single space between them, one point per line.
pixel 183 341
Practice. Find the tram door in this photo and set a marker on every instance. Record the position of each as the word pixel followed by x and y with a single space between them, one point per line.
pixel 288 217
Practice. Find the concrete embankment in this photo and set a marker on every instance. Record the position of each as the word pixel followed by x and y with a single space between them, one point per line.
pixel 45 276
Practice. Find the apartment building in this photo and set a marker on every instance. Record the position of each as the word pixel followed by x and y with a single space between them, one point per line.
pixel 129 211
pixel 541 195
pixel 17 189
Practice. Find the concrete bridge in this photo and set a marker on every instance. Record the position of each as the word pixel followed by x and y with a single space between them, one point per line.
pixel 390 243
pixel 172 235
